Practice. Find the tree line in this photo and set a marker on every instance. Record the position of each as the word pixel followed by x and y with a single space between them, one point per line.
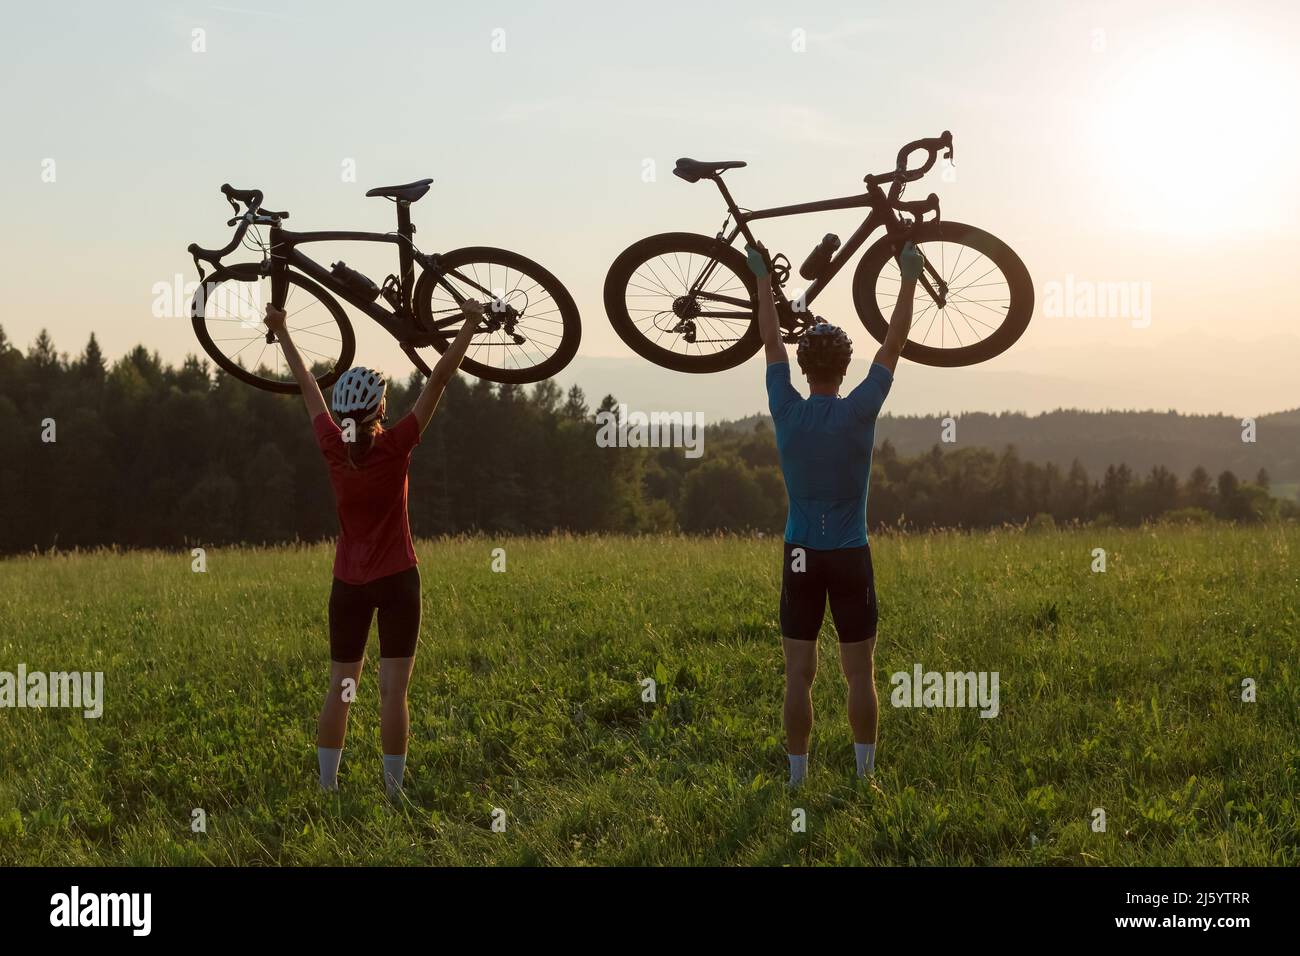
pixel 138 453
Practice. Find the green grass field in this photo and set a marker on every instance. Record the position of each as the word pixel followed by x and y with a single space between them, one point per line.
pixel 1119 690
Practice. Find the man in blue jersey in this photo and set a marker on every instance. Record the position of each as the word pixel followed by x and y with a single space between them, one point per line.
pixel 825 444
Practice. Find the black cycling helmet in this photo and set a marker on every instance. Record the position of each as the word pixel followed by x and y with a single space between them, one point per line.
pixel 824 351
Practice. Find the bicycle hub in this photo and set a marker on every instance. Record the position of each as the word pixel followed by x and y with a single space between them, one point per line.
pixel 686 307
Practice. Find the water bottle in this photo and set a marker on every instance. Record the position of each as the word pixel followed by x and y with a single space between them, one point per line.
pixel 820 257
pixel 355 281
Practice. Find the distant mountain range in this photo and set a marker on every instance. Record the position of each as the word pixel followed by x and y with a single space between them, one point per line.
pixel 1141 440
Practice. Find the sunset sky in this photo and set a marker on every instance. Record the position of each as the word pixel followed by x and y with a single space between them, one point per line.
pixel 1144 143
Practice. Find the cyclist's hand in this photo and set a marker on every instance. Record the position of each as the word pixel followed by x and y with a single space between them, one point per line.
pixel 275 319
pixel 756 259
pixel 910 261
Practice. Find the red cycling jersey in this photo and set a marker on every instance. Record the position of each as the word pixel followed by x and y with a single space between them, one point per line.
pixel 374 530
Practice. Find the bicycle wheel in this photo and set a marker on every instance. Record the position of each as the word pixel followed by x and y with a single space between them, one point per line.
pixel 685 302
pixel 227 312
pixel 987 304
pixel 536 338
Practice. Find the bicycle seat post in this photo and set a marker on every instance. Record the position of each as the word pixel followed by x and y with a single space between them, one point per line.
pixel 404 217
pixel 726 194
pixel 405 259
pixel 733 208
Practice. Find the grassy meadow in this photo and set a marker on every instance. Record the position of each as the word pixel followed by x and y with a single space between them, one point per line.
pixel 1120 690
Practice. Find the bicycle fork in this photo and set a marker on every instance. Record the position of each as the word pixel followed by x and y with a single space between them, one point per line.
pixel 931 281
pixel 279 277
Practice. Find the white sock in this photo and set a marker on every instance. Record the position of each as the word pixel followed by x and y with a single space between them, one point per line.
pixel 328 758
pixel 798 768
pixel 394 769
pixel 866 754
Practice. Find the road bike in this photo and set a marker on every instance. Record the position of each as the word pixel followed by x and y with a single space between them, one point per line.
pixel 687 301
pixel 530 330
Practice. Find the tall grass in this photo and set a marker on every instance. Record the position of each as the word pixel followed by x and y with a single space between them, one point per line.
pixel 1119 690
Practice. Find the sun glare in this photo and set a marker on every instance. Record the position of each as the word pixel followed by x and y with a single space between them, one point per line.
pixel 1192 135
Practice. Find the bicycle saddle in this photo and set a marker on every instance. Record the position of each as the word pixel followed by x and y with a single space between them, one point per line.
pixel 408 192
pixel 692 170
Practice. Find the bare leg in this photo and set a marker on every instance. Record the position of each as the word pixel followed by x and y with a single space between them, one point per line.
pixel 858 661
pixel 800 669
pixel 332 725
pixel 394 717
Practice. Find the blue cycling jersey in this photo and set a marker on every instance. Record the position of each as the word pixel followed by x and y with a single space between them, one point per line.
pixel 825 445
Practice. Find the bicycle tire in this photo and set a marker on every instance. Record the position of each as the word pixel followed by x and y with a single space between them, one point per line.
pixel 249 272
pixel 571 322
pixel 1020 289
pixel 622 272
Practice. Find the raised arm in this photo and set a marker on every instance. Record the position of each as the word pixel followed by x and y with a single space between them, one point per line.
pixel 900 323
pixel 448 364
pixel 311 396
pixel 768 325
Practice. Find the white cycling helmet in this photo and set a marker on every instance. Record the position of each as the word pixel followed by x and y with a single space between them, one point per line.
pixel 358 394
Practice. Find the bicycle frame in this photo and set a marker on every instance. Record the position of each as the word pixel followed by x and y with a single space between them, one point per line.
pixel 882 214
pixel 400 323
pixel 284 253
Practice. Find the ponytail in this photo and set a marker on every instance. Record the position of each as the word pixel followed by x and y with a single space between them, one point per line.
pixel 367 432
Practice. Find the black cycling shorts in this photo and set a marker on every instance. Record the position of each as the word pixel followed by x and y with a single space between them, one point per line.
pixel 396 598
pixel 844 577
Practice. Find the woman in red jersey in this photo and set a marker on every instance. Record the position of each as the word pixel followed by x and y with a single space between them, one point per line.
pixel 374 564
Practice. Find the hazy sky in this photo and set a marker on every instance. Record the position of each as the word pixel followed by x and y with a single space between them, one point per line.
pixel 1145 143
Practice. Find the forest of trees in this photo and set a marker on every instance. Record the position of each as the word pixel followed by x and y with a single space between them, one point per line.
pixel 147 454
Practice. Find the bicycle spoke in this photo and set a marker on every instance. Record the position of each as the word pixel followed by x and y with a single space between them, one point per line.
pixel 234 303
pixel 979 302
pixel 656 284
pixel 250 342
pixel 968 322
pixel 311 328
pixel 964 274
pixel 534 314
